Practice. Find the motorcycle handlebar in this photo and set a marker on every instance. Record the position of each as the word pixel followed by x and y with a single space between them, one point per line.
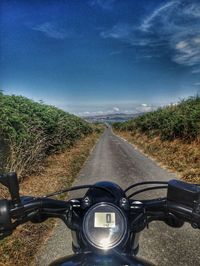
pixel 30 209
pixel 183 202
pixel 40 205
pixel 191 215
pixel 173 213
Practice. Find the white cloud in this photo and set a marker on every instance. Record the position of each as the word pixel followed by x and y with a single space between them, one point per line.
pixel 174 25
pixel 197 40
pixel 86 113
pixel 181 45
pixel 51 30
pixel 100 112
pixel 145 107
pixel 188 52
pixel 177 24
pixel 197 84
pixel 115 109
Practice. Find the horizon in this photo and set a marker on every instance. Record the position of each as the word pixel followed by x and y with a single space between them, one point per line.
pixel 101 56
pixel 115 111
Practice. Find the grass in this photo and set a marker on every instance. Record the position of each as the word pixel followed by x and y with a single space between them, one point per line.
pixel 176 155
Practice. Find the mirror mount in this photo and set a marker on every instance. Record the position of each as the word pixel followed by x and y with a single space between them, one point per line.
pixel 10 181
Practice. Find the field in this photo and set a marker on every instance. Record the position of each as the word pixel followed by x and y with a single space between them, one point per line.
pixel 171 135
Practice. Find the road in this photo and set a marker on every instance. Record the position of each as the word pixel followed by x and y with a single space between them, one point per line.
pixel 116 160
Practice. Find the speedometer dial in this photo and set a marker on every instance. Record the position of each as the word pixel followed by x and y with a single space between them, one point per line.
pixel 104 226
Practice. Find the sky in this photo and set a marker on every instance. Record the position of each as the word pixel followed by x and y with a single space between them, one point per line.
pixel 100 56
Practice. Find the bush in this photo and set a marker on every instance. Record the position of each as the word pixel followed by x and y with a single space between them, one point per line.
pixel 31 130
pixel 181 121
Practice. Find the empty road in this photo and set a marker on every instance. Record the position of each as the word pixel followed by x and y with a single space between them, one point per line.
pixel 116 160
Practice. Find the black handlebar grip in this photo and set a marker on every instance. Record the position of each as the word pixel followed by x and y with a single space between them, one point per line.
pixel 5 219
pixel 184 199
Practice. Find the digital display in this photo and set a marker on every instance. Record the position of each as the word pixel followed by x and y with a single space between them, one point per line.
pixel 104 220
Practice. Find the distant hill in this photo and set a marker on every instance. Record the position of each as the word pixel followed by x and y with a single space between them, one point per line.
pixel 111 118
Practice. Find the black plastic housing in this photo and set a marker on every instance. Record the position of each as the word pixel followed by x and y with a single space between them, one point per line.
pixel 5 219
pixel 183 193
pixel 10 181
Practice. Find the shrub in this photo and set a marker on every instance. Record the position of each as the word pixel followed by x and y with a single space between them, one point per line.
pixel 32 130
pixel 181 121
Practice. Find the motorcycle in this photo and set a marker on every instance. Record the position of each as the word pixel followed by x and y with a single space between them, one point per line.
pixel 107 221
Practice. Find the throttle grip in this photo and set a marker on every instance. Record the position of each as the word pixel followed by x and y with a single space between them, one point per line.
pixel 184 199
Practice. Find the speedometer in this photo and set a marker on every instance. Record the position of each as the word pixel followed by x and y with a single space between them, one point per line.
pixel 104 226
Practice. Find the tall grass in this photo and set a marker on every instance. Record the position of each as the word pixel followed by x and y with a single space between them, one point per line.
pixel 30 131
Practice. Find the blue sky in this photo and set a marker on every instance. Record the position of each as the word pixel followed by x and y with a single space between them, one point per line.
pixel 97 56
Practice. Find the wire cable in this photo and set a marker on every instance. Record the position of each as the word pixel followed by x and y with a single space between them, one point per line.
pixel 146 183
pixel 78 188
pixel 146 189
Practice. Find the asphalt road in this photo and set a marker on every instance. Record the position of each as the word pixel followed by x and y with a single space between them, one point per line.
pixel 116 160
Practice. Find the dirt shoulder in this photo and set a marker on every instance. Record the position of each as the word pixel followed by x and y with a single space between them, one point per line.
pixel 176 155
pixel 59 170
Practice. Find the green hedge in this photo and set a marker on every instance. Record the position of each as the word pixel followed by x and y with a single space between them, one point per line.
pixel 31 129
pixel 171 122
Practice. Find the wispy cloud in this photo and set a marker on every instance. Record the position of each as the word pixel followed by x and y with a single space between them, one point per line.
pixel 104 4
pixel 115 52
pixel 148 21
pixel 175 26
pixel 125 32
pixel 193 9
pixel 195 71
pixel 119 31
pixel 188 51
pixel 50 30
